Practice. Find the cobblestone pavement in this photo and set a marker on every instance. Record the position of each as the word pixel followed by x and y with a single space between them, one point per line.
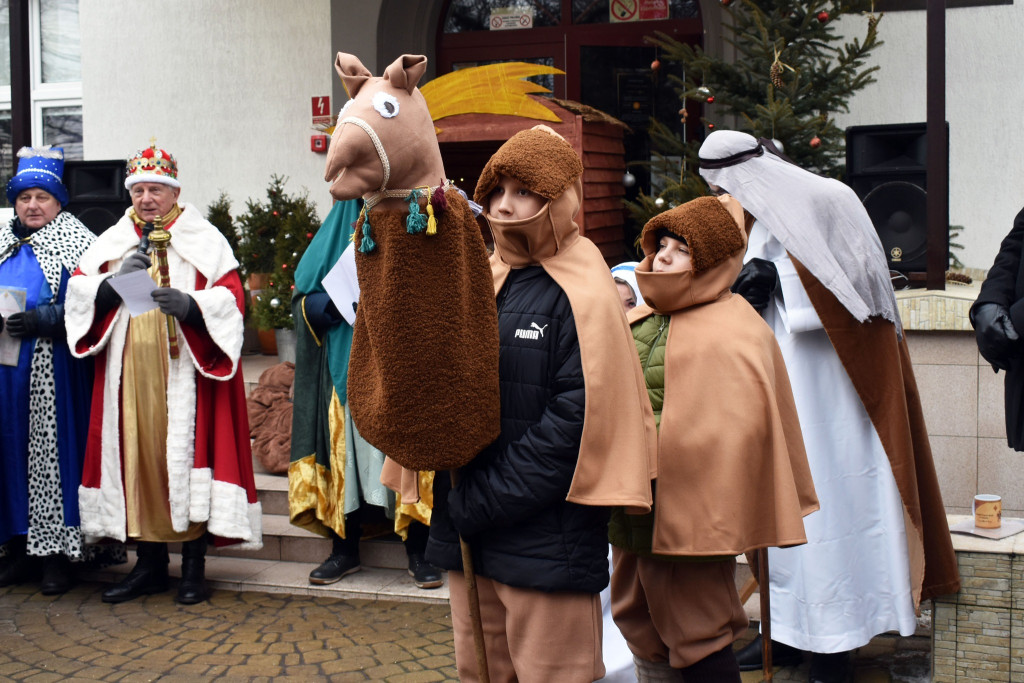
pixel 251 636
pixel 234 636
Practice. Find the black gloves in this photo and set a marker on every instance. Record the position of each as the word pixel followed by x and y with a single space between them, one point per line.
pixel 136 261
pixel 757 282
pixel 43 321
pixel 321 312
pixel 997 338
pixel 172 301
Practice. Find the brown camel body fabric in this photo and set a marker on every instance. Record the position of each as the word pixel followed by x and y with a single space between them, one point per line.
pixel 423 374
pixel 879 367
pixel 732 470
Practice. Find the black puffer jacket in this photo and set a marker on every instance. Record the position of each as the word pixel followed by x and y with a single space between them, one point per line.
pixel 510 503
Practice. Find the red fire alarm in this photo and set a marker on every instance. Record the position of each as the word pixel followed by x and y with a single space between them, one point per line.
pixel 318 143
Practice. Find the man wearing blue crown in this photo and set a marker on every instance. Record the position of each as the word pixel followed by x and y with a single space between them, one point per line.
pixel 43 390
pixel 168 457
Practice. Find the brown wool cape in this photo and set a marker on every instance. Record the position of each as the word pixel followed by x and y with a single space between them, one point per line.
pixel 427 327
pixel 879 367
pixel 618 449
pixel 732 470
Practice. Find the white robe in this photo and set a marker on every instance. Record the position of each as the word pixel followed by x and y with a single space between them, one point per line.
pixel 851 581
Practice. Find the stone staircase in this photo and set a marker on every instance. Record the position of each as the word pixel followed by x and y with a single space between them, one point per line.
pixel 290 553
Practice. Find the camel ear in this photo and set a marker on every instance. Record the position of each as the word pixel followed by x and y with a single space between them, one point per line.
pixel 406 71
pixel 353 73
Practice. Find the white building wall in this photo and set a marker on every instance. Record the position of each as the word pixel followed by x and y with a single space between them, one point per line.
pixel 224 85
pixel 984 108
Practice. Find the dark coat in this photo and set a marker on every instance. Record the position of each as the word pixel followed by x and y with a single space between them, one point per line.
pixel 510 501
pixel 1005 285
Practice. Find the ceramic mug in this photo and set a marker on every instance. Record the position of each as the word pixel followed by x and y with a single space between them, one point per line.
pixel 988 511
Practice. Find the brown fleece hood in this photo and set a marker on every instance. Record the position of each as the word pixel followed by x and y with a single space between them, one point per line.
pixel 539 158
pixel 711 228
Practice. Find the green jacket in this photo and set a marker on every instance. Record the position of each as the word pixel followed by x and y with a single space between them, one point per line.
pixel 634 532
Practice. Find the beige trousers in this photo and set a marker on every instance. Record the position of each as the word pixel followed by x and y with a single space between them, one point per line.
pixel 675 612
pixel 529 635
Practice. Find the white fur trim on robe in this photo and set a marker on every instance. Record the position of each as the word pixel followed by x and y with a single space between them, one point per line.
pixel 196 246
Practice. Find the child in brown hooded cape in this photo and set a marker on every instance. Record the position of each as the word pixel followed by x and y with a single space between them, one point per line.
pixel 533 505
pixel 732 472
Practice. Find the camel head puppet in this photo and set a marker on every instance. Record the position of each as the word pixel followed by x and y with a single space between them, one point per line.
pixel 422 381
pixel 384 144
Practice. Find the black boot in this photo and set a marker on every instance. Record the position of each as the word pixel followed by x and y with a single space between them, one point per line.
pixel 58 576
pixel 717 667
pixel 16 567
pixel 343 560
pixel 148 576
pixel 833 667
pixel 192 588
pixel 750 659
pixel 424 574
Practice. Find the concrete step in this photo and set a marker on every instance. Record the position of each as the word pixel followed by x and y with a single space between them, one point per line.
pixel 271 576
pixel 284 542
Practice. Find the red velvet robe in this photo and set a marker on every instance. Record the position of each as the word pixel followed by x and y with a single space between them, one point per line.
pixel 208 452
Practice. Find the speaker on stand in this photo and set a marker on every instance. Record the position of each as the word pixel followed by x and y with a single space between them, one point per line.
pixel 886 165
pixel 96 192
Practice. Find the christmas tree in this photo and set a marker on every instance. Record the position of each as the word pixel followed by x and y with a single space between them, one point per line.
pixel 273 236
pixel 792 73
pixel 219 215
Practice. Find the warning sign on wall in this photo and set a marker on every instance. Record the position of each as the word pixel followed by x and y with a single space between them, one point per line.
pixel 322 110
pixel 511 18
pixel 638 10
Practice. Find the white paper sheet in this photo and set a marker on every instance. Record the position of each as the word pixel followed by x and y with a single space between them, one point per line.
pixel 342 285
pixel 135 289
pixel 12 300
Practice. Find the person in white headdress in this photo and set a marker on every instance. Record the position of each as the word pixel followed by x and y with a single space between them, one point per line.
pixel 624 275
pixel 880 544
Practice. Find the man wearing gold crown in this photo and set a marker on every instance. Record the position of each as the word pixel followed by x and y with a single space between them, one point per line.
pixel 168 456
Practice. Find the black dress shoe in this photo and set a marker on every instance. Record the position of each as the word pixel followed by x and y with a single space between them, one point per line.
pixel 424 574
pixel 57 575
pixel 333 568
pixel 750 659
pixel 829 668
pixel 192 592
pixel 17 569
pixel 142 580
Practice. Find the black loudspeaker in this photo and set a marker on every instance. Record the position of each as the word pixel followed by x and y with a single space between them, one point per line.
pixel 96 192
pixel 886 165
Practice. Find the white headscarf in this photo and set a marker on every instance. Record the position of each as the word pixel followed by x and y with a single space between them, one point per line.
pixel 625 271
pixel 819 221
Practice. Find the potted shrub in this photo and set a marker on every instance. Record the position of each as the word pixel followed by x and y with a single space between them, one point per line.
pixel 273 235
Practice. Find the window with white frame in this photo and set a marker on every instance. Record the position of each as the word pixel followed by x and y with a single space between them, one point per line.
pixel 55 65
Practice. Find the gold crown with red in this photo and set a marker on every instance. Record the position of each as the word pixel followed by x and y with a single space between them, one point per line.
pixel 152 165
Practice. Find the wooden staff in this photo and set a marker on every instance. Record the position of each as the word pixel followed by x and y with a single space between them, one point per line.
pixel 473 598
pixel 160 238
pixel 766 615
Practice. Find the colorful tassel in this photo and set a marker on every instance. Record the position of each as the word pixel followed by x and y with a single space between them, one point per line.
pixel 439 201
pixel 367 245
pixel 431 221
pixel 415 222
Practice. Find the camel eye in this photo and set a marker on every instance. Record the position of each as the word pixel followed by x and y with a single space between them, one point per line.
pixel 385 104
pixel 348 105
